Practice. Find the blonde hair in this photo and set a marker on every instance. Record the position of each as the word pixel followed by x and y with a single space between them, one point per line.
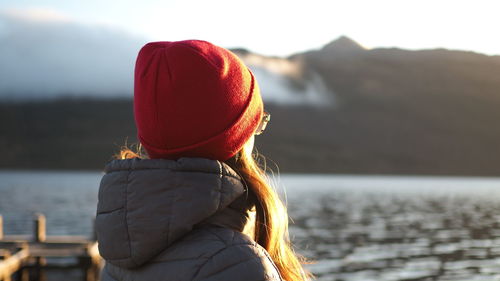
pixel 271 221
pixel 271 224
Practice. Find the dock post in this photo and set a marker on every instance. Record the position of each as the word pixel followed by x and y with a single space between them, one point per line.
pixel 86 266
pixel 40 235
pixel 22 275
pixel 39 272
pixel 1 227
pixel 40 228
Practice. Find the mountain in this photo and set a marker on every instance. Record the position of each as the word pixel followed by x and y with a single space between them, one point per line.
pixel 342 45
pixel 396 73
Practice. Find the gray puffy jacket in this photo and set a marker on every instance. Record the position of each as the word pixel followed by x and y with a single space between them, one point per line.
pixel 176 220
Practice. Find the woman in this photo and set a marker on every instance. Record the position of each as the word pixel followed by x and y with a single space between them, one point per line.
pixel 185 213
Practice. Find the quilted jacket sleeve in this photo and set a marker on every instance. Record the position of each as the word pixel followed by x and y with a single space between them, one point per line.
pixel 244 262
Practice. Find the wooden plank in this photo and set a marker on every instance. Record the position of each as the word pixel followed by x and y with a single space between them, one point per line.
pixel 57 249
pixel 10 244
pixel 68 239
pixel 61 252
pixel 16 238
pixel 51 239
pixel 52 244
pixel 13 263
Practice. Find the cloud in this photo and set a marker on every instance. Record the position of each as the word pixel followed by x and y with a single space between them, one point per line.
pixel 36 15
pixel 44 54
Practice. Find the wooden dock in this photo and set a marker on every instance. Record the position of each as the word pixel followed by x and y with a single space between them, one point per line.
pixel 29 257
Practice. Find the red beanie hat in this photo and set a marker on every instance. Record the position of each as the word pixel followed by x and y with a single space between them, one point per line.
pixel 194 99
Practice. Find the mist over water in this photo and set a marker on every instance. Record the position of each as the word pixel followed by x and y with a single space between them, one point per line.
pixel 288 82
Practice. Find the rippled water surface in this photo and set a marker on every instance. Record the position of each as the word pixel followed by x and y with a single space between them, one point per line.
pixel 353 227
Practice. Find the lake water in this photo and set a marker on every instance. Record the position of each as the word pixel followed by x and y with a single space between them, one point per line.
pixel 352 227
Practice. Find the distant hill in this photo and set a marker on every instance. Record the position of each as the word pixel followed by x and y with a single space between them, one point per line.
pixel 342 46
pixel 399 111
pixel 351 71
pixel 385 111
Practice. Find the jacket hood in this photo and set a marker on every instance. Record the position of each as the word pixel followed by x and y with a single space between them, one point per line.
pixel 147 204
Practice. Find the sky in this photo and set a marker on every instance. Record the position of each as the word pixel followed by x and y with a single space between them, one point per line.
pixel 282 28
pixel 52 48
